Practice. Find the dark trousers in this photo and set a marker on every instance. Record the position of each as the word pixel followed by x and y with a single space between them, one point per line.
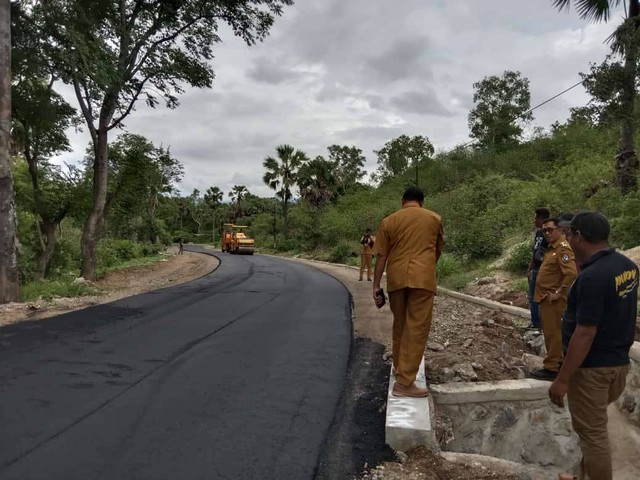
pixel 534 308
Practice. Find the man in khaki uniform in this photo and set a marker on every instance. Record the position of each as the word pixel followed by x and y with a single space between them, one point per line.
pixel 367 241
pixel 557 273
pixel 409 244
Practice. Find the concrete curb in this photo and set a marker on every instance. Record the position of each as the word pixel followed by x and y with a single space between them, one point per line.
pixel 410 421
pixel 501 307
pixel 527 389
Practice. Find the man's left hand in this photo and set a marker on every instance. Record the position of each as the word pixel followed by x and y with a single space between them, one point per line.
pixel 554 297
pixel 557 391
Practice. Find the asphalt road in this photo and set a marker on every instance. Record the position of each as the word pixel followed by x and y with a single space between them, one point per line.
pixel 233 376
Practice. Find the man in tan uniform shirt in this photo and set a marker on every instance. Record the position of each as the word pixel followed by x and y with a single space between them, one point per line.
pixel 556 274
pixel 409 243
pixel 367 241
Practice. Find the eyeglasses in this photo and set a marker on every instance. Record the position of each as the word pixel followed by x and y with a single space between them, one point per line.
pixel 549 229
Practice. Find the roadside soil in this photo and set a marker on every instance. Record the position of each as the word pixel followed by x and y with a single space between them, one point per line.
pixel 454 323
pixel 173 270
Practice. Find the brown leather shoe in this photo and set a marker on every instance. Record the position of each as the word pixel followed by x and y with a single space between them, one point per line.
pixel 411 391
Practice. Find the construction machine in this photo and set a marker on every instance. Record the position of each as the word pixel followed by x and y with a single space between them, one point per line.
pixel 236 239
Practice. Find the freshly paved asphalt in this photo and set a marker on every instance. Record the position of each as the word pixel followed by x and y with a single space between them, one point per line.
pixel 233 376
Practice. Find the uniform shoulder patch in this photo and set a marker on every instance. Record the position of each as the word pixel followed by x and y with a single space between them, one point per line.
pixel 564 244
pixel 566 258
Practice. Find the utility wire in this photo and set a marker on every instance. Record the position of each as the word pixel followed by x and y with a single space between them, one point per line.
pixel 537 106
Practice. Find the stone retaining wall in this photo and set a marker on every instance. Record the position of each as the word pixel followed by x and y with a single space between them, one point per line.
pixel 629 402
pixel 512 420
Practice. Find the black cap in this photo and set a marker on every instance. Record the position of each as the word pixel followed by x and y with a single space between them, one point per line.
pixel 565 219
pixel 592 226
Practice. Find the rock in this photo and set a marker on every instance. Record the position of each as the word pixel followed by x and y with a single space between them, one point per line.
pixel 402 457
pixel 532 362
pixel 435 347
pixel 506 418
pixel 516 362
pixel 465 371
pixel 504 349
pixel 80 281
pixel 536 344
pixel 477 366
pixel 467 343
pixel 447 375
pixel 446 344
pixel 531 335
pixel 485 281
pixel 487 322
pixel 478 413
pixel 387 355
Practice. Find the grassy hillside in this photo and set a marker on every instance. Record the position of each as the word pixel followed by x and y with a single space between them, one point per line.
pixel 486 199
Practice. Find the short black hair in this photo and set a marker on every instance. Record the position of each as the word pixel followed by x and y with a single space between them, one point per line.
pixel 555 220
pixel 368 230
pixel 413 194
pixel 543 213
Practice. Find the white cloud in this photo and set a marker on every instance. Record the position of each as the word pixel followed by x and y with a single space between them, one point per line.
pixel 361 72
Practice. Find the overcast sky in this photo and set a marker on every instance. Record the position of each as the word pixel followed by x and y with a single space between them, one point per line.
pixel 360 72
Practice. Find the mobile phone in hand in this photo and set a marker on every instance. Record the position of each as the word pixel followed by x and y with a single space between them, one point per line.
pixel 381 299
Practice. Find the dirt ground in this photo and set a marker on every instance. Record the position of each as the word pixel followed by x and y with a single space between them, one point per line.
pixel 173 270
pixel 421 464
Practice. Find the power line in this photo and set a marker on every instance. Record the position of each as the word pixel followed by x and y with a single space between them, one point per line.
pixel 538 106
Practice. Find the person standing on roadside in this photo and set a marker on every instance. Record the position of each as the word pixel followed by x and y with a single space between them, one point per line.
pixel 557 273
pixel 181 247
pixel 598 330
pixel 409 243
pixel 537 255
pixel 367 241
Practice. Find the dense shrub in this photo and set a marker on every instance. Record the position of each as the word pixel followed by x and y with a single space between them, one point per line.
pixel 341 252
pixel 448 265
pixel 519 259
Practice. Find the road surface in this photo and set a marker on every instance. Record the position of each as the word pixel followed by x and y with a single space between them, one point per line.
pixel 233 376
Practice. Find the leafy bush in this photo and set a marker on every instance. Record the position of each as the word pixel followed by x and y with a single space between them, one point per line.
pixel 49 289
pixel 341 252
pixel 448 265
pixel 518 261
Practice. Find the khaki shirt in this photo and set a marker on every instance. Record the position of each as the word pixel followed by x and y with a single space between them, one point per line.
pixel 557 272
pixel 366 248
pixel 412 240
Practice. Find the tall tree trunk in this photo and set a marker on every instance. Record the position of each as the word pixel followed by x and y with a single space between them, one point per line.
pixel 8 255
pixel 95 220
pixel 48 230
pixel 627 160
pixel 285 218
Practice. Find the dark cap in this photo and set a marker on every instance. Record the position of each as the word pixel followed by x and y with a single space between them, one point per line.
pixel 593 226
pixel 565 219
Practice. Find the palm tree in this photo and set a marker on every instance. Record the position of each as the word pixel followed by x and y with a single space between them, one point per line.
pixel 8 259
pixel 282 175
pixel 318 182
pixel 237 194
pixel 213 198
pixel 624 42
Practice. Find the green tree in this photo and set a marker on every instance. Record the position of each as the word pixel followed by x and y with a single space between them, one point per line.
pixel 501 111
pixel 115 52
pixel 213 198
pixel 237 195
pixel 8 254
pixel 139 173
pixel 40 120
pixel 317 182
pixel 622 77
pixel 348 165
pixel 403 152
pixel 282 176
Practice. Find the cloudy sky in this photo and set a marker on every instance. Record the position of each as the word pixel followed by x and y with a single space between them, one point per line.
pixel 361 72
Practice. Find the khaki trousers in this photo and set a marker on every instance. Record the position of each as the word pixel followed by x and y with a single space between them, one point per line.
pixel 591 390
pixel 412 310
pixel 365 261
pixel 551 316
